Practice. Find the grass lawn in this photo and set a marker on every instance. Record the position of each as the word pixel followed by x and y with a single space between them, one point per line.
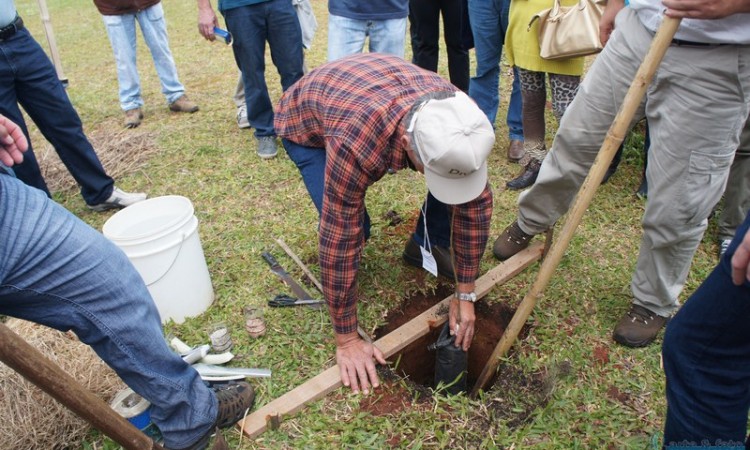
pixel 565 384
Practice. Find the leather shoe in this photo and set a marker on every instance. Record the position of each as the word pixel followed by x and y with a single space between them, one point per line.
pixel 527 176
pixel 511 241
pixel 515 150
pixel 638 327
pixel 413 256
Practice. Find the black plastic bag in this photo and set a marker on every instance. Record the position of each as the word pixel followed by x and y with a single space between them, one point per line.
pixel 450 363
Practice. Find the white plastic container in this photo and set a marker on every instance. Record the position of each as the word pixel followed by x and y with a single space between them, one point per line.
pixel 160 237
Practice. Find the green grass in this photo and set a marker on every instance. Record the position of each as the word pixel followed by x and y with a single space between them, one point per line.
pixel 243 203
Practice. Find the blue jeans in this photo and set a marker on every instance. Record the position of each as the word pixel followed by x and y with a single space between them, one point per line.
pixel 60 272
pixel 489 21
pixel 705 350
pixel 251 26
pixel 28 77
pixel 311 163
pixel 121 31
pixel 347 36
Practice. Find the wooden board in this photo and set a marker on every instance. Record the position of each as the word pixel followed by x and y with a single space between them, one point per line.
pixel 329 380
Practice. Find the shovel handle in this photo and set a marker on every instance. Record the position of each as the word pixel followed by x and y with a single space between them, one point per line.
pixel 270 259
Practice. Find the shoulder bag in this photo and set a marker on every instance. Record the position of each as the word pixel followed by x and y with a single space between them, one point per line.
pixel 569 31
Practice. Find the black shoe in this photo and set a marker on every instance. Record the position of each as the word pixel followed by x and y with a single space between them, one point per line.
pixel 642 191
pixel 527 177
pixel 413 255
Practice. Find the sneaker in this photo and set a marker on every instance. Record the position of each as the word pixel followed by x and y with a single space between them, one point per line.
pixel 118 199
pixel 242 121
pixel 183 104
pixel 413 256
pixel 267 147
pixel 638 327
pixel 133 117
pixel 724 246
pixel 235 399
pixel 511 241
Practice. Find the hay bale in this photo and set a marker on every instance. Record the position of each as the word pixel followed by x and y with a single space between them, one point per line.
pixel 121 153
pixel 31 418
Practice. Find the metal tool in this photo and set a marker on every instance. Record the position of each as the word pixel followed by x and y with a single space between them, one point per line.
pixel 298 290
pixel 285 300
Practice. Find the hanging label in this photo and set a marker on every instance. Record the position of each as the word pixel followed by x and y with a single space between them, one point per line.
pixel 428 261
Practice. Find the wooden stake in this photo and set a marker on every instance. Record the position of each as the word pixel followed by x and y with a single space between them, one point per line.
pixel 47 22
pixel 49 377
pixel 614 138
pixel 390 344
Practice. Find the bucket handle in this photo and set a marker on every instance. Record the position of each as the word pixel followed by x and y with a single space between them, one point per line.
pixel 177 255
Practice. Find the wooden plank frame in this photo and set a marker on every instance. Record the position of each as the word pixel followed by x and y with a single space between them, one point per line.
pixel 270 415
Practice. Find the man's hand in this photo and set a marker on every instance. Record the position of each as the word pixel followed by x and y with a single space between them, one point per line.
pixel 607 22
pixel 12 142
pixel 356 359
pixel 705 9
pixel 207 20
pixel 461 320
pixel 741 262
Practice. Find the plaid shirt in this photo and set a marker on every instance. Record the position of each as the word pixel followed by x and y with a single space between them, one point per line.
pixel 354 107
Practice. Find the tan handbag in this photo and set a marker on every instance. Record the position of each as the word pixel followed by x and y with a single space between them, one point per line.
pixel 568 31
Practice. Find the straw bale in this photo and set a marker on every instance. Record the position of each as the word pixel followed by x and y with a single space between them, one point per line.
pixel 31 418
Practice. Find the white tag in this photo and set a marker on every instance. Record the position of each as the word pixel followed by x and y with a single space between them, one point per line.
pixel 428 261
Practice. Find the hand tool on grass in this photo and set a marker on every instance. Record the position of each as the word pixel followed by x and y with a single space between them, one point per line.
pixel 298 290
pixel 283 300
pixel 612 141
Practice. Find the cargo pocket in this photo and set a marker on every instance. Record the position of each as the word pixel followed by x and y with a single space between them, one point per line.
pixel 703 186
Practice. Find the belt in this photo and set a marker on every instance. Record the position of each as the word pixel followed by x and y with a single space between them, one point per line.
pixel 681 43
pixel 9 30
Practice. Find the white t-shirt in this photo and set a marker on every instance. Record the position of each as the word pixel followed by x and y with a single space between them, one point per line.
pixel 734 29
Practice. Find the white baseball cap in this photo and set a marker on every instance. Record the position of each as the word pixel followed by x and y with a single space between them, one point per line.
pixel 453 137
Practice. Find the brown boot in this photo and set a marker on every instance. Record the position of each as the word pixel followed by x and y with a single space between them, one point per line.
pixel 515 150
pixel 133 117
pixel 183 104
pixel 527 177
pixel 638 327
pixel 511 241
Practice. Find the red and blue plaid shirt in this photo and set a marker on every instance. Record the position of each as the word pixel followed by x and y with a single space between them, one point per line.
pixel 354 108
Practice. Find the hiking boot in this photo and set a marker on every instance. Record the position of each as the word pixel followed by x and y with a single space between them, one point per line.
pixel 183 104
pixel 511 241
pixel 242 121
pixel 267 147
pixel 413 256
pixel 638 327
pixel 234 398
pixel 515 150
pixel 118 199
pixel 527 177
pixel 133 117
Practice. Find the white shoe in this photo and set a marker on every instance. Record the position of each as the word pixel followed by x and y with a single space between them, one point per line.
pixel 242 121
pixel 119 199
pixel 723 246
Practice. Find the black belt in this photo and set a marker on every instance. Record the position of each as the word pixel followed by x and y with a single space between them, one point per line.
pixel 681 43
pixel 9 30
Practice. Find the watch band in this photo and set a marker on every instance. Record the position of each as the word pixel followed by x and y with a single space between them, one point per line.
pixel 466 296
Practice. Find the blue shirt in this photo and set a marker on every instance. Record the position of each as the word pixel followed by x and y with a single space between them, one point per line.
pixel 369 9
pixel 225 5
pixel 7 12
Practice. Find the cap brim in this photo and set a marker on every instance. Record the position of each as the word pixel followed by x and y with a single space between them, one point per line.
pixel 455 191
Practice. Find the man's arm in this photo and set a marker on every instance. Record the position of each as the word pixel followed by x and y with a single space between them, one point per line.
pixel 12 142
pixel 705 9
pixel 207 19
pixel 607 22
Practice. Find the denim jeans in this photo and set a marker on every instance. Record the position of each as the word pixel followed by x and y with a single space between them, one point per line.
pixel 489 21
pixel 311 163
pixel 58 271
pixel 28 77
pixel 251 26
pixel 347 36
pixel 705 350
pixel 121 31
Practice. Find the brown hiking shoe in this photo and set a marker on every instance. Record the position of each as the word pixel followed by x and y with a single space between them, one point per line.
pixel 638 327
pixel 515 150
pixel 183 104
pixel 133 117
pixel 511 241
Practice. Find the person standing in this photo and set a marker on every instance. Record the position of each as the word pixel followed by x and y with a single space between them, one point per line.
pixel 119 18
pixel 352 22
pixel 28 78
pixel 252 24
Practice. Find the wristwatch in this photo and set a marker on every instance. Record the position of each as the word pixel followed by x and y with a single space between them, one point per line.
pixel 466 296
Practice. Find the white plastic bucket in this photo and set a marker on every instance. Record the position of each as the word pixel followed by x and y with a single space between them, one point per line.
pixel 160 237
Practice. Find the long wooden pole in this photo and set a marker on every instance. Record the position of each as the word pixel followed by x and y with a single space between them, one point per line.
pixel 271 414
pixel 612 141
pixel 47 22
pixel 17 354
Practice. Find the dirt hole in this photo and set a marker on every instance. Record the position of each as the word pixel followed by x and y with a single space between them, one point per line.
pixel 418 364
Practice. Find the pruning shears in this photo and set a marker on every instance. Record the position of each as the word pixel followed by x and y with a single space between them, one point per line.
pixel 283 300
